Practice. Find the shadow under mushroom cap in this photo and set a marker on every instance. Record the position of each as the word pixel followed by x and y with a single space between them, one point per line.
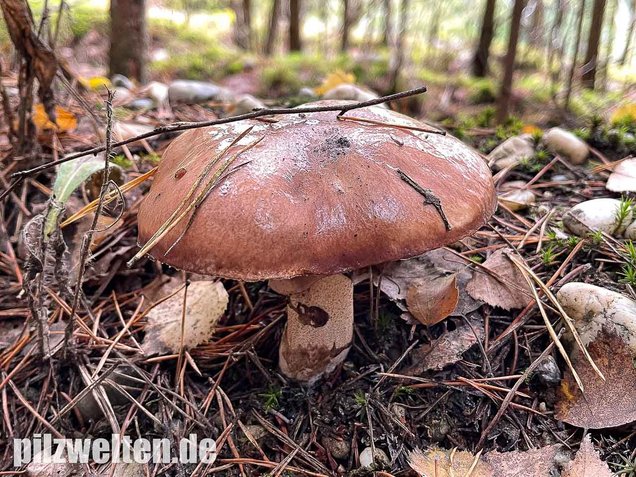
pixel 317 195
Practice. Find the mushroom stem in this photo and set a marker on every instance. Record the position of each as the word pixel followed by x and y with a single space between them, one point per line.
pixel 319 329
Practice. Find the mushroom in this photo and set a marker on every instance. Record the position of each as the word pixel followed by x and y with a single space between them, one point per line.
pixel 306 198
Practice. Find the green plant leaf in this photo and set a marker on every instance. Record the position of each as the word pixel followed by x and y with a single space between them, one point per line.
pixel 70 175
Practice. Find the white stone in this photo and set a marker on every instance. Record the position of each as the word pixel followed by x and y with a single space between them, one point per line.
pixel 630 232
pixel 351 92
pixel 511 152
pixel 368 458
pixel 596 214
pixel 567 145
pixel 515 196
pixel 592 307
pixel 623 177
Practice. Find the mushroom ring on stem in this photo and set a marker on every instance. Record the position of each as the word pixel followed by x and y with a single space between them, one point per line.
pixel 308 197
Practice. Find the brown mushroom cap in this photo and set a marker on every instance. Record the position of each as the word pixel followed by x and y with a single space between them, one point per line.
pixel 316 196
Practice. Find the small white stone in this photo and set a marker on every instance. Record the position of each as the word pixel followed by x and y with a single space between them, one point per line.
pixel 369 460
pixel 351 92
pixel 567 145
pixel 630 232
pixel 596 214
pixel 623 177
pixel 511 152
pixel 592 307
pixel 517 198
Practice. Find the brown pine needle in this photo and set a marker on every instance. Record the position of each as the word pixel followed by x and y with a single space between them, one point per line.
pixel 530 277
pixel 391 125
pixel 184 207
pixel 111 196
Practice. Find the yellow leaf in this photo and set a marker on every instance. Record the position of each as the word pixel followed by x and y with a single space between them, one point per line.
pixel 625 114
pixel 334 79
pixel 66 121
pixel 530 129
pixel 96 83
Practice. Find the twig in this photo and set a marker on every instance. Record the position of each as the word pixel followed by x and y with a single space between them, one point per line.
pixel 184 126
pixel 88 237
pixel 429 197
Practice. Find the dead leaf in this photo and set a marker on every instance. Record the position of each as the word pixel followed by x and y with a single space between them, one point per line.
pixel 432 300
pixel 447 349
pixel 96 83
pixel 206 302
pixel 334 79
pixel 505 287
pixel 10 331
pixel 587 462
pixel 531 463
pixel 448 463
pixel 603 404
pixel 66 120
pixel 431 293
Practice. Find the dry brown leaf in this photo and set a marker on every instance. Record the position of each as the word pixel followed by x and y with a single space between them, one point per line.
pixel 587 462
pixel 603 404
pixel 205 304
pixel 65 120
pixel 431 291
pixel 505 287
pixel 448 463
pixel 433 299
pixel 532 463
pixel 447 349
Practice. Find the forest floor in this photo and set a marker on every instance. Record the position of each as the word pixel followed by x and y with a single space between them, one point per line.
pixel 230 388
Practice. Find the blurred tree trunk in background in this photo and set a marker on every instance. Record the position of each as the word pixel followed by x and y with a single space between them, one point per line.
pixel 537 30
pixel 555 38
pixel 386 33
pixel 609 43
pixel 575 54
pixel 433 32
pixel 295 43
pixel 480 60
pixel 128 39
pixel 346 25
pixel 630 35
pixel 397 58
pixel 243 25
pixel 505 92
pixel 273 27
pixel 591 57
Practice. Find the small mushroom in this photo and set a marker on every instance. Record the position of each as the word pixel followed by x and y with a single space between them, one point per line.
pixel 309 198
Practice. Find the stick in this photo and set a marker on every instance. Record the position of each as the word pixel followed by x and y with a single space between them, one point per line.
pixel 18 177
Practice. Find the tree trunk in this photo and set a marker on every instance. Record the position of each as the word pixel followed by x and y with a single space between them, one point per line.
pixel 37 60
pixel 536 36
pixel 346 25
pixel 295 43
pixel 575 55
pixel 480 60
pixel 128 38
pixel 555 36
pixel 243 24
pixel 273 27
pixel 386 33
pixel 398 53
pixel 505 92
pixel 591 57
pixel 630 35
pixel 609 43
